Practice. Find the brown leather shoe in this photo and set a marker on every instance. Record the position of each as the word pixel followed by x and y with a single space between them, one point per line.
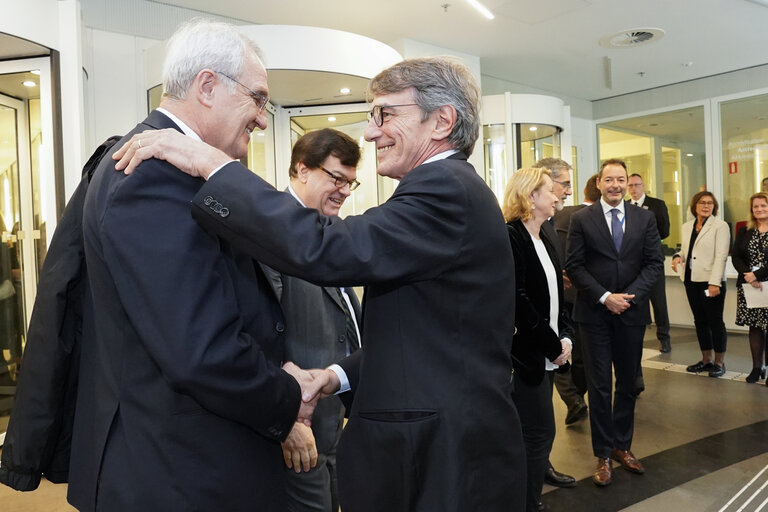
pixel 628 460
pixel 603 473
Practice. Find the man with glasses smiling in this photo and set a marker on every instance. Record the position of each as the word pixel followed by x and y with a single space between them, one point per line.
pixel 322 322
pixel 432 425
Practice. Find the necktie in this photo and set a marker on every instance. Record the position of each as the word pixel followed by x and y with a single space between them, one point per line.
pixel 616 232
pixel 349 324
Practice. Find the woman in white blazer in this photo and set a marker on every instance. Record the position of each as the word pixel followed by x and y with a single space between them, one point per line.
pixel 704 249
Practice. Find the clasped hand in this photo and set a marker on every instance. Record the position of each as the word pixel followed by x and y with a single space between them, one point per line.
pixel 315 384
pixel 617 303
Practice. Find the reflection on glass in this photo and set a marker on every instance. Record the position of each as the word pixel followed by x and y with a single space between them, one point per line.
pixel 11 302
pixel 261 151
pixel 667 151
pixel 538 141
pixel 744 127
pixel 494 147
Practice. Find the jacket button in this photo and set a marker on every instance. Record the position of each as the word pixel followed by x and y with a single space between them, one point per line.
pixel 207 201
pixel 224 212
pixel 343 338
pixel 280 327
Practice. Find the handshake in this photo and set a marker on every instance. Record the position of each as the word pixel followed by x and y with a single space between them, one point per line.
pixel 315 384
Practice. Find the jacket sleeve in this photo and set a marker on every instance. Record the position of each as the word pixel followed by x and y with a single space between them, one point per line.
pixel 722 245
pixel 575 261
pixel 740 255
pixel 662 220
pixel 528 321
pixel 652 263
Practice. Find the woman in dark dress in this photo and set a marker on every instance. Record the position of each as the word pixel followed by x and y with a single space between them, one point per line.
pixel 542 338
pixel 750 260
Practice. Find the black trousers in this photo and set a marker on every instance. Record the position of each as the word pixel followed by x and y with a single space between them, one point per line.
pixel 537 418
pixel 707 316
pixel 606 346
pixel 658 295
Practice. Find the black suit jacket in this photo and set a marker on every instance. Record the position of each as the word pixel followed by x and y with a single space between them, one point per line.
pixel 181 400
pixel 438 318
pixel 595 267
pixel 534 338
pixel 659 209
pixel 562 225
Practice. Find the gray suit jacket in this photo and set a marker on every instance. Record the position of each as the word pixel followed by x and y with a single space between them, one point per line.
pixel 315 337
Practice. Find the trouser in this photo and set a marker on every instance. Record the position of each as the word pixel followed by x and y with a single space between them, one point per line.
pixel 611 345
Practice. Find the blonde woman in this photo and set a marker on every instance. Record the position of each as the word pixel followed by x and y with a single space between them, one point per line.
pixel 542 338
pixel 750 259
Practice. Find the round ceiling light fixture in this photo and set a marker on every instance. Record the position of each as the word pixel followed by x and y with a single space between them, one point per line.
pixel 632 38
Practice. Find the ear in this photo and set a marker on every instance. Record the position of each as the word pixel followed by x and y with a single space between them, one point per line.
pixel 302 172
pixel 445 120
pixel 205 86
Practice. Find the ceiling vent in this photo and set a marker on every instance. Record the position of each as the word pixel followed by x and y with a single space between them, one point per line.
pixel 632 38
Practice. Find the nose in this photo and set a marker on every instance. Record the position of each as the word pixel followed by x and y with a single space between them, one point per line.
pixel 261 119
pixel 345 190
pixel 372 132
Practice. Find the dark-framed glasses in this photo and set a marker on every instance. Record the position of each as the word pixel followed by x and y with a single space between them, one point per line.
pixel 259 99
pixel 340 181
pixel 377 112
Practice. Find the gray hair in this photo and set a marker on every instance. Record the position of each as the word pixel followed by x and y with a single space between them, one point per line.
pixel 437 81
pixel 555 165
pixel 203 44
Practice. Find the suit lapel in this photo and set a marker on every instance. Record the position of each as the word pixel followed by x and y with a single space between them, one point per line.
pixel 706 227
pixel 333 293
pixel 598 218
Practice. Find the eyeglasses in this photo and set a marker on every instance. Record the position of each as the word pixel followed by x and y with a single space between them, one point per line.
pixel 340 181
pixel 377 114
pixel 259 99
pixel 706 203
pixel 565 184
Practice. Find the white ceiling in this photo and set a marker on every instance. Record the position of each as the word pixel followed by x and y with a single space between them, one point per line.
pixel 551 45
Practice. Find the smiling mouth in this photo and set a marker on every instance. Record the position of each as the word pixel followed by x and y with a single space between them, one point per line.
pixel 384 148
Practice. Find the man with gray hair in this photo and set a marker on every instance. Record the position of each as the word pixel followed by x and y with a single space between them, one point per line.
pixel 432 426
pixel 182 401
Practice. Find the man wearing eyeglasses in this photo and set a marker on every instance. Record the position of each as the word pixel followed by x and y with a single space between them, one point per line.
pixel 182 401
pixel 432 426
pixel 322 322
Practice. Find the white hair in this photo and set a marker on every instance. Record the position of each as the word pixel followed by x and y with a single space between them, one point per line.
pixel 204 44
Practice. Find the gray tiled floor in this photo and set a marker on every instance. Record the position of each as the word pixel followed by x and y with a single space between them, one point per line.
pixel 676 410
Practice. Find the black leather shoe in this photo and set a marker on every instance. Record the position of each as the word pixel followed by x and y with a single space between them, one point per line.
pixel 699 367
pixel 755 375
pixel 577 413
pixel 717 371
pixel 666 346
pixel 558 479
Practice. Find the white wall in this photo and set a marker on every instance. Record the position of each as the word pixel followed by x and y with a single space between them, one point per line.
pixel 115 87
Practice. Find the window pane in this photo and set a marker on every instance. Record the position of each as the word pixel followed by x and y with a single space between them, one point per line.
pixel 667 151
pixel 745 154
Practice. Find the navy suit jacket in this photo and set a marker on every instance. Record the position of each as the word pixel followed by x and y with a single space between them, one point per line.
pixel 181 400
pixel 595 266
pixel 438 319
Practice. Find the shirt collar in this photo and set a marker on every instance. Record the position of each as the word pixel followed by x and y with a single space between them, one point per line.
pixel 607 208
pixel 181 124
pixel 296 196
pixel 440 156
pixel 641 201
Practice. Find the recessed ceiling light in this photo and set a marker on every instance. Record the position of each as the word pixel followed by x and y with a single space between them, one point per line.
pixel 260 134
pixel 344 90
pixel 689 154
pixel 533 128
pixel 35 72
pixel 331 119
pixel 28 83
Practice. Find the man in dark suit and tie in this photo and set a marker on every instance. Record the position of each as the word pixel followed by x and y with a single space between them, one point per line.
pixel 613 260
pixel 658 207
pixel 182 402
pixel 432 426
pixel 322 322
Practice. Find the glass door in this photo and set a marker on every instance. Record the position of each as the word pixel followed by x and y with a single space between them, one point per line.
pixel 14 161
